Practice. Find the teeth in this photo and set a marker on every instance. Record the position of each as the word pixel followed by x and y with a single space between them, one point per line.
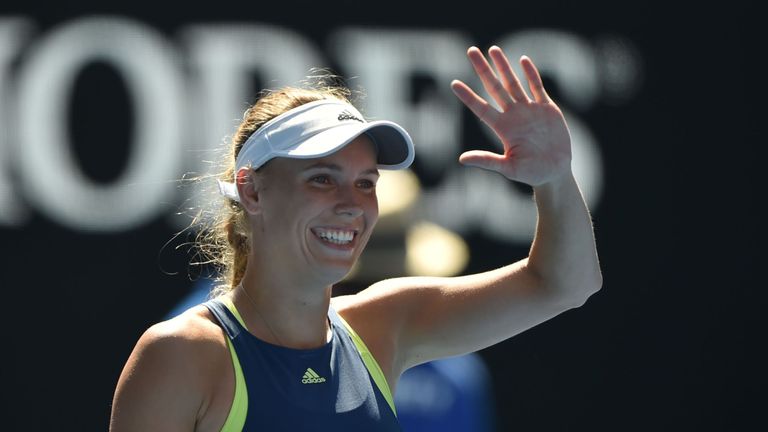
pixel 337 237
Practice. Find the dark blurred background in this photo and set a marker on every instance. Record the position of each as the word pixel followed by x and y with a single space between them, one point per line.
pixel 103 107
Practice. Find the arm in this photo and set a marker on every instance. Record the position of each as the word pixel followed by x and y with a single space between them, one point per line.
pixel 429 318
pixel 537 151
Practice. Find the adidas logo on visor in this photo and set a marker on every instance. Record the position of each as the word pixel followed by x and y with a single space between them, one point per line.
pixel 346 115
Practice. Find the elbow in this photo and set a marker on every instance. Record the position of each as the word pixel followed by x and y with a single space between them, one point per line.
pixel 593 282
pixel 574 293
pixel 571 289
pixel 588 287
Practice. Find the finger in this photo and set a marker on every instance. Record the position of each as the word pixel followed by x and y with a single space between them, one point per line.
pixel 534 80
pixel 483 159
pixel 479 106
pixel 508 75
pixel 492 85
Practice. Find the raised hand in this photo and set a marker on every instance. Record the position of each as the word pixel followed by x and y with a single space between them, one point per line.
pixel 537 144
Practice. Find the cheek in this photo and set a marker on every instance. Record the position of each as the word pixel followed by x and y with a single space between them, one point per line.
pixel 290 207
pixel 372 210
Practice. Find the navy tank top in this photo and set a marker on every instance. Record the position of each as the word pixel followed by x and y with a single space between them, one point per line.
pixel 323 389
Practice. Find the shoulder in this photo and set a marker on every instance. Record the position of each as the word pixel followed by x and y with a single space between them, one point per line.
pixel 379 314
pixel 387 299
pixel 183 347
pixel 385 308
pixel 195 331
pixel 174 370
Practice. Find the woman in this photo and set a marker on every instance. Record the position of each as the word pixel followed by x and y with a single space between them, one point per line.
pixel 273 350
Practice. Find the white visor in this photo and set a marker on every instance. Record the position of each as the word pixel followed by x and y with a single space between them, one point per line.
pixel 317 129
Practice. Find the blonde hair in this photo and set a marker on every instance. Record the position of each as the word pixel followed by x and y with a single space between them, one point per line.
pixel 223 239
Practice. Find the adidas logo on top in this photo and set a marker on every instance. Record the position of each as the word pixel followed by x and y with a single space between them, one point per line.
pixel 311 377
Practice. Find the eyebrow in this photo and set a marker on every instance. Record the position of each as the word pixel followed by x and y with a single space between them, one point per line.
pixel 338 168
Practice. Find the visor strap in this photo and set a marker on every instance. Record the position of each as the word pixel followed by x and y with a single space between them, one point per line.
pixel 228 190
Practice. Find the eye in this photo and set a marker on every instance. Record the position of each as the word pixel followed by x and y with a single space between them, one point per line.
pixel 321 179
pixel 366 184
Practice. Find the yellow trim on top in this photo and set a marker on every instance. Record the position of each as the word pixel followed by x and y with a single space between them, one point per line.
pixel 372 365
pixel 239 410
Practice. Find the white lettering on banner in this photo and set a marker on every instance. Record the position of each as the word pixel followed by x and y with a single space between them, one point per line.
pixel 223 59
pixel 13 32
pixel 385 61
pixel 181 118
pixel 51 178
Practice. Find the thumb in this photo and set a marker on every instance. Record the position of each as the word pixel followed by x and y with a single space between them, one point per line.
pixel 482 159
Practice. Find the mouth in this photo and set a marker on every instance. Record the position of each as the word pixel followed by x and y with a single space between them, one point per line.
pixel 339 238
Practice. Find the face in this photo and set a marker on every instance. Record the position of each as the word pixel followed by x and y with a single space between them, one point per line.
pixel 319 213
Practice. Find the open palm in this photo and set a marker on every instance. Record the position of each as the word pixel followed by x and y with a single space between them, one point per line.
pixel 537 144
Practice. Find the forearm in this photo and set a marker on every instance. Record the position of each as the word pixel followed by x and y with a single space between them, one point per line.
pixel 563 254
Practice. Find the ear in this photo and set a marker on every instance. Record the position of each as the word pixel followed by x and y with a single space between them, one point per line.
pixel 249 186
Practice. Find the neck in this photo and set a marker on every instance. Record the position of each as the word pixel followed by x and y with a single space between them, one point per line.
pixel 282 312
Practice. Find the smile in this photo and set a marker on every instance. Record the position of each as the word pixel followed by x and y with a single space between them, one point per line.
pixel 335 236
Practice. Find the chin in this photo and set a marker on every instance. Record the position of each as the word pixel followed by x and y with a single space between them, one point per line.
pixel 336 272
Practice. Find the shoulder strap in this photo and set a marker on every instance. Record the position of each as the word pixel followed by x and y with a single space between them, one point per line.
pixel 228 321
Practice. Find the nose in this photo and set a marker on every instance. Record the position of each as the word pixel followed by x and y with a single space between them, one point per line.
pixel 349 210
pixel 349 203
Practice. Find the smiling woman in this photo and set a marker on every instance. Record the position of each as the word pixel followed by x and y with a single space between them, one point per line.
pixel 271 349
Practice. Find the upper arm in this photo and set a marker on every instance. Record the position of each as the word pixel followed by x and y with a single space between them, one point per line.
pixel 427 318
pixel 159 388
